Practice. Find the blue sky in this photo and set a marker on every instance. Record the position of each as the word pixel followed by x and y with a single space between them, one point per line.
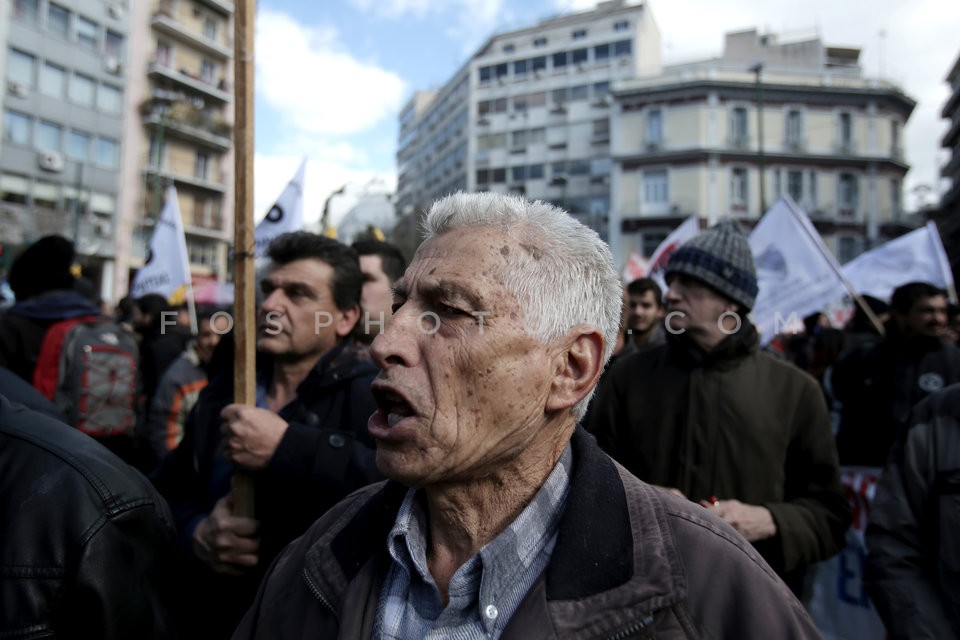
pixel 333 75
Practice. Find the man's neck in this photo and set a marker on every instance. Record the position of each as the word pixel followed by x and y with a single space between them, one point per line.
pixel 287 376
pixel 465 517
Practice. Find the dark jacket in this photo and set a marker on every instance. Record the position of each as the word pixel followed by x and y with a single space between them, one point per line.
pixel 878 386
pixel 85 542
pixel 733 423
pixel 158 350
pixel 325 454
pixel 630 562
pixel 913 565
pixel 23 326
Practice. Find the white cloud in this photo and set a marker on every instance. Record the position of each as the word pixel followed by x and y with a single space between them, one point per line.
pixel 306 75
pixel 322 177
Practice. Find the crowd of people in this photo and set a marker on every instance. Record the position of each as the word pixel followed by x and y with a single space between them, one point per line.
pixel 498 440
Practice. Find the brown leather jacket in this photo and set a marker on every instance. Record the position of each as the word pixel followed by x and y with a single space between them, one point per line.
pixel 630 561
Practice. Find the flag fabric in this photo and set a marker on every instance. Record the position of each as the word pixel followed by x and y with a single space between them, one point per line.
pixel 636 267
pixel 796 274
pixel 916 256
pixel 284 216
pixel 658 261
pixel 167 270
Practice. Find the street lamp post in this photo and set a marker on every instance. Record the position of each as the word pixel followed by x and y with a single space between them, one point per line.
pixel 757 69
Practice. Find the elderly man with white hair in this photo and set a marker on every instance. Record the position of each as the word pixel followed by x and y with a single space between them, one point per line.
pixel 500 518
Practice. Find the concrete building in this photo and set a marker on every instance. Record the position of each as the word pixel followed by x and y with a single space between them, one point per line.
pixel 63 125
pixel 799 115
pixel 179 131
pixel 529 113
pixel 948 216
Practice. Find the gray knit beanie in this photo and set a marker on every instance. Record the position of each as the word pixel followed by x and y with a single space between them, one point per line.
pixel 719 257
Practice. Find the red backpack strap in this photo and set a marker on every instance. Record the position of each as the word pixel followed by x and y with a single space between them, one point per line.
pixel 46 373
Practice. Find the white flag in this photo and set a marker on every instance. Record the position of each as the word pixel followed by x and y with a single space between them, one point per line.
pixel 916 256
pixel 796 274
pixel 168 265
pixel 658 261
pixel 284 216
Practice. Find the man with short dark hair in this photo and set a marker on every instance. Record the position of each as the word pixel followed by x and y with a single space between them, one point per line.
pixel 644 313
pixel 382 265
pixel 305 443
pixel 501 518
pixel 711 417
pixel 879 384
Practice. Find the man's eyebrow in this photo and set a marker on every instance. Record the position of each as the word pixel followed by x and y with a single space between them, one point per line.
pixel 452 290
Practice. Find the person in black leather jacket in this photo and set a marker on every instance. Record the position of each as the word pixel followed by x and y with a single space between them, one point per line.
pixel 85 541
pixel 305 443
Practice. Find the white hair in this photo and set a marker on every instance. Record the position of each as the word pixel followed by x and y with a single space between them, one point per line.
pixel 564 277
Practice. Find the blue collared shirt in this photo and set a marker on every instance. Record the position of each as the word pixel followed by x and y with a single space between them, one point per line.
pixel 483 593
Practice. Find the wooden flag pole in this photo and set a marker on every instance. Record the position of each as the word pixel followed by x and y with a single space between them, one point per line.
pixel 244 370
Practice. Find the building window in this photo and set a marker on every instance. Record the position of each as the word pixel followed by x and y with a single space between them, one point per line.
pixel 113 45
pixel 738 188
pixel 601 128
pixel 848 196
pixel 812 181
pixel 539 63
pixel 579 34
pixel 622 48
pixel 26 10
pixel 157 152
pixel 58 20
pixel 201 166
pixel 540 42
pixel 601 52
pixel 600 166
pixel 109 99
pixel 162 55
pixel 78 146
pixel 559 59
pixel 46 194
pixel 20 68
pixel 518 174
pixel 483 177
pixel 578 92
pixel 520 67
pixel 535 172
pixel 655 187
pixel 16 127
pixel 895 149
pixel 74 201
pixel 87 33
pixel 82 90
pixel 53 80
pixel 601 89
pixel 579 56
pixel 621 25
pixel 795 185
pixel 486 74
pixel 207 71
pixel 107 153
pixel 210 26
pixel 498 176
pixel 794 129
pixel 847 248
pixel 896 198
pixel 49 136
pixel 13 189
pixel 846 131
pixel 738 127
pixel 654 127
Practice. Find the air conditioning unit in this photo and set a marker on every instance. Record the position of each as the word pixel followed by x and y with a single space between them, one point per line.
pixel 112 65
pixel 102 228
pixel 51 161
pixel 115 11
pixel 18 89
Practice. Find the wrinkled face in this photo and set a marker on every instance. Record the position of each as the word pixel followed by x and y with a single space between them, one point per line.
pixel 298 317
pixel 458 396
pixel 695 307
pixel 927 317
pixel 377 296
pixel 643 312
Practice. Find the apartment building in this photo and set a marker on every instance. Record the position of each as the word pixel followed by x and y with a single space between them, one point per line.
pixel 529 113
pixel 948 216
pixel 179 131
pixel 728 136
pixel 63 119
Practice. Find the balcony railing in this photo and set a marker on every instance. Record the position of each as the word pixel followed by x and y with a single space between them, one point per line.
pixel 188 80
pixel 186 180
pixel 164 23
pixel 190 123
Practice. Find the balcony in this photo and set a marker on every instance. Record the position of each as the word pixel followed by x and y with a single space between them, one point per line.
pixel 952 137
pixel 165 24
pixel 191 124
pixel 180 179
pixel 222 6
pixel 158 71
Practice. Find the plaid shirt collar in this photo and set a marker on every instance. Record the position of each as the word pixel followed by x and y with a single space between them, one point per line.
pixel 487 589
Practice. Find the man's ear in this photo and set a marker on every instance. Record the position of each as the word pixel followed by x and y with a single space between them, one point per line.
pixel 345 319
pixel 577 367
